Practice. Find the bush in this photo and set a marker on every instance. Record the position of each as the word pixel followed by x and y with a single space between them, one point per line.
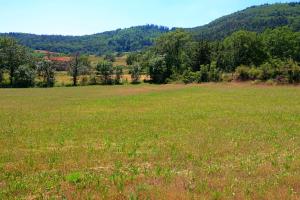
pixel 191 77
pixel 267 71
pixel 204 74
pixel 254 73
pixel 24 76
pixel 226 77
pixel 214 73
pixel 281 72
pixel 242 73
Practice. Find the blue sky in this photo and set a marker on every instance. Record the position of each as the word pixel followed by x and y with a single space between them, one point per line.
pixel 79 17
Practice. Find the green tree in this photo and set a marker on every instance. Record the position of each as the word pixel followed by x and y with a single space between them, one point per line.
pixel 135 72
pixel 46 70
pixel 281 43
pixel 105 70
pixel 157 69
pixel 12 56
pixel 201 54
pixel 24 76
pixel 79 65
pixel 175 47
pixel 244 48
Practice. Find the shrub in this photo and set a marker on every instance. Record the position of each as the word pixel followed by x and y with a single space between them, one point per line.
pixel 226 77
pixel 214 73
pixel 242 73
pixel 267 71
pixel 191 77
pixel 204 73
pixel 254 73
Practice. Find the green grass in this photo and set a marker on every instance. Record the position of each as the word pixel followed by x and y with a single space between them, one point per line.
pixel 215 141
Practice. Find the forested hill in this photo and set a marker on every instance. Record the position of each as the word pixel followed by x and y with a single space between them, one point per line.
pixel 255 18
pixel 121 40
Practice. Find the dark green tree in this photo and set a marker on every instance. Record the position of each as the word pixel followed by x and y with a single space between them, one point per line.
pixel 244 48
pixel 12 56
pixel 201 54
pixel 24 76
pixel 105 70
pixel 175 47
pixel 281 43
pixel 79 65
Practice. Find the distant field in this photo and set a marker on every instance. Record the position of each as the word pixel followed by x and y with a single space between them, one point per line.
pixel 214 141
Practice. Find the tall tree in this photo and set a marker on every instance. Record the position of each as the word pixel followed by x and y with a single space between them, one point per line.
pixel 105 70
pixel 244 48
pixel 79 65
pixel 201 54
pixel 174 46
pixel 281 43
pixel 12 56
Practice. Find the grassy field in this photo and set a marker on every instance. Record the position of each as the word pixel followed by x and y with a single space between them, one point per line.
pixel 215 141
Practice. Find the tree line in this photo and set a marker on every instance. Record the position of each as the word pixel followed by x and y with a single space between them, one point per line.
pixel 176 56
pixel 26 70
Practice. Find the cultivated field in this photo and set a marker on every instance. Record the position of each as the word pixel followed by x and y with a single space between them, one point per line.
pixel 214 141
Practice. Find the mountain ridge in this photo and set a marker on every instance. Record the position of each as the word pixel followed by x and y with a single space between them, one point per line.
pixel 254 18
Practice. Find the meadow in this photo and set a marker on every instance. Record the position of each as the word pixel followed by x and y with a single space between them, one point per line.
pixel 209 141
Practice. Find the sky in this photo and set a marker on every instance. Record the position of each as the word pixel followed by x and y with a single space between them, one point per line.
pixel 81 17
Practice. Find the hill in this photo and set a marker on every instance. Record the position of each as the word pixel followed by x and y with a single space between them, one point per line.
pixel 121 40
pixel 255 18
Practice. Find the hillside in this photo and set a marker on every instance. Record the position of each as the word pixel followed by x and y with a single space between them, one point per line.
pixel 121 40
pixel 255 18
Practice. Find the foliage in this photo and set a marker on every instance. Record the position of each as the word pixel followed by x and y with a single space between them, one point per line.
pixel 157 69
pixel 121 40
pixel 201 54
pixel 12 56
pixel 282 43
pixel 79 65
pixel 118 74
pixel 280 71
pixel 244 48
pixel 105 70
pixel 46 70
pixel 135 72
pixel 24 76
pixel 255 18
